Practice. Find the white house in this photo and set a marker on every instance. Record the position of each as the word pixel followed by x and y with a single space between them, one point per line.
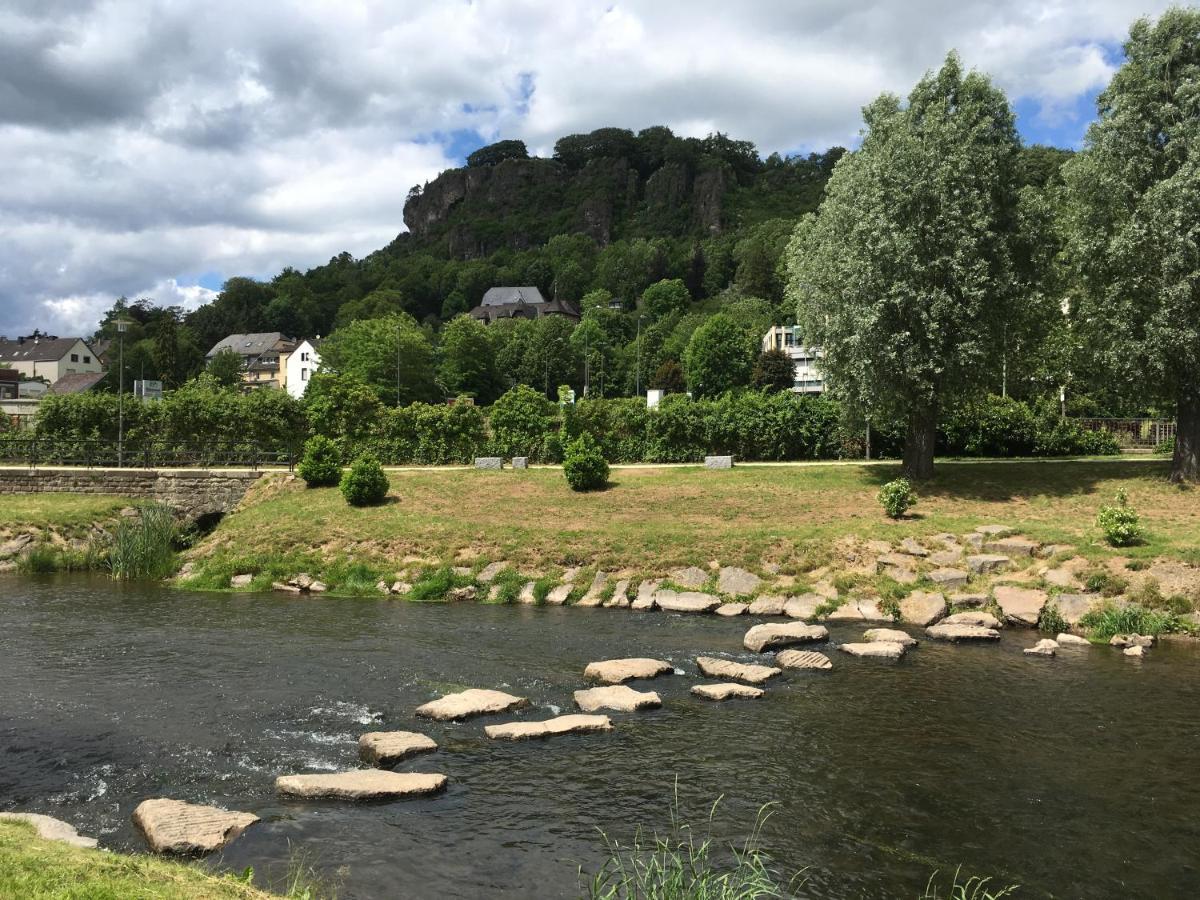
pixel 301 364
pixel 808 379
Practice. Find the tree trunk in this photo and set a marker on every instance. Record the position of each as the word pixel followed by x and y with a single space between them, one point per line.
pixel 1186 464
pixel 919 443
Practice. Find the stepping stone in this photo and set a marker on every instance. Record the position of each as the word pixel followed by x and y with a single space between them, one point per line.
pixel 527 595
pixel 994 531
pixel 886 562
pixel 617 671
pixel 618 697
pixel 767 605
pixel 803 607
pixel 1136 651
pixel 558 595
pixel 712 667
pixel 945 557
pixel 980 619
pixel 1072 640
pixel 571 724
pixel 383 748
pixel 969 600
pixel 731 609
pixel 489 572
pixel 955 633
pixel 922 608
pixel 737 582
pixel 594 594
pixel 890 636
pixel 803 659
pixel 51 829
pixel 172 826
pixel 360 784
pixel 686 601
pixel 948 579
pixel 986 563
pixel 645 595
pixel 859 611
pixel 771 636
pixel 875 649
pixel 1073 607
pixel 620 595
pixel 1022 606
pixel 727 691
pixel 1061 577
pixel 910 547
pixel 975 541
pixel 1044 647
pixel 569 575
pixel 693 577
pixel 1131 640
pixel 468 703
pixel 1012 546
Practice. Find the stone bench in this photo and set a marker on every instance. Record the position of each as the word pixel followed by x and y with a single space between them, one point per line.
pixel 489 462
pixel 520 462
pixel 718 462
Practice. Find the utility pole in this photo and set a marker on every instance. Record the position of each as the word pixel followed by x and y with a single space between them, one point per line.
pixel 1004 367
pixel 638 378
pixel 122 324
pixel 397 363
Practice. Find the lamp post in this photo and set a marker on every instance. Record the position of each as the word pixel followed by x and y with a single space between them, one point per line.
pixel 637 388
pixel 122 325
pixel 398 342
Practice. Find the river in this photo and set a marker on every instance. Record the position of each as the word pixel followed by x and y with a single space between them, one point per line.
pixel 1074 777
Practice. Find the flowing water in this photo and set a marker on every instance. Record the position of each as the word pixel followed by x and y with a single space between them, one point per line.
pixel 1075 777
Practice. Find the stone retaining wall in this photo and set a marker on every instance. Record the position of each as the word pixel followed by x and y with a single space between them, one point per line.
pixel 193 492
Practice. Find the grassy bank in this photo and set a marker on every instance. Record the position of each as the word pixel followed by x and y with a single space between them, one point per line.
pixel 66 514
pixel 653 519
pixel 36 869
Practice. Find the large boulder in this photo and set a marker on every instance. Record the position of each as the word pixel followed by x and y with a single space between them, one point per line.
pixel 771 636
pixel 956 633
pixel 922 608
pixel 803 607
pixel 51 829
pixel 768 605
pixel 875 649
pixel 737 582
pixel 571 724
pixel 986 563
pixel 645 595
pixel 1021 606
pixel 803 659
pixel 383 748
pixel 1073 607
pixel 948 579
pixel 172 826
pixel 693 578
pixel 618 671
pixel 714 667
pixel 890 636
pixel 619 697
pixel 360 784
pixel 1072 640
pixel 686 601
pixel 468 703
pixel 727 691
pixel 971 617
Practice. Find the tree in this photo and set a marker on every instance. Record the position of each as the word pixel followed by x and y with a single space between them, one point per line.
pixel 719 357
pixel 774 371
pixel 668 378
pixel 226 367
pixel 665 297
pixel 468 363
pixel 1133 223
pixel 391 355
pixel 497 153
pixel 905 274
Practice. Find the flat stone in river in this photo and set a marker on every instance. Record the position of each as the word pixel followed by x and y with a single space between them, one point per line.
pixel 172 826
pixel 570 724
pixel 767 605
pixel 1044 647
pixel 1022 606
pixel 981 618
pixel 922 608
pixel 51 829
pixel 468 703
pixel 803 659
pixel 773 635
pixel 727 691
pixel 686 601
pixel 1072 640
pixel 714 667
pixel 616 671
pixel 731 609
pixel 617 697
pixel 945 632
pixel 890 635
pixel 360 784
pixel 876 649
pixel 382 748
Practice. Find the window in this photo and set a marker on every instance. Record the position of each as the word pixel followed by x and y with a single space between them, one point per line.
pixel 303 357
pixel 74 357
pixel 304 374
pixel 87 359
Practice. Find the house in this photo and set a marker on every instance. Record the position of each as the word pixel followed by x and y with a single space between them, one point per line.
pixel 264 357
pixel 519 303
pixel 808 379
pixel 301 364
pixel 46 356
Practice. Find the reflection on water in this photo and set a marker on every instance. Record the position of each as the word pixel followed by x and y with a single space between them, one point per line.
pixel 1072 776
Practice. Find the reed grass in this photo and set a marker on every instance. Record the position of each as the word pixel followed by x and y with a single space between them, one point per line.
pixel 143 546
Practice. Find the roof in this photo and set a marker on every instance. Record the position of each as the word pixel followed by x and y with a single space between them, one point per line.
pixel 499 296
pixel 249 344
pixel 76 382
pixel 37 349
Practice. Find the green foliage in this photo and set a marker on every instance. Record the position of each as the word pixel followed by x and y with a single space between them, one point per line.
pixel 897 497
pixel 226 368
pixel 1101 581
pixel 430 435
pixel 1004 427
pixel 391 355
pixel 1051 620
pixel 143 546
pixel 365 483
pixel 719 357
pixel 468 363
pixel 519 421
pixel 665 297
pixel 321 465
pixel 1120 523
pixel 497 153
pixel 974 888
pixel 774 371
pixel 1166 448
pixel 342 407
pixel 668 377
pixel 584 465
pixel 1109 620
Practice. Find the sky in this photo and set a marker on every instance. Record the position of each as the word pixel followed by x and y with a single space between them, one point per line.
pixel 154 148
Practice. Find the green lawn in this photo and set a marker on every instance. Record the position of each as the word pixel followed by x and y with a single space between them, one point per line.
pixel 61 512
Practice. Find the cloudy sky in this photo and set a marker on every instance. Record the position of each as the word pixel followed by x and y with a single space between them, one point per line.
pixel 157 148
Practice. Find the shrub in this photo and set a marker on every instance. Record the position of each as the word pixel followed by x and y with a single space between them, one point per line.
pixel 365 483
pixel 584 465
pixel 1120 523
pixel 321 465
pixel 897 497
pixel 1101 624
pixel 1100 580
pixel 143 546
pixel 1167 447
pixel 519 421
pixel 1051 620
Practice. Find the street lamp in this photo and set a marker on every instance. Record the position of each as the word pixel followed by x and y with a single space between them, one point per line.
pixel 637 389
pixel 122 326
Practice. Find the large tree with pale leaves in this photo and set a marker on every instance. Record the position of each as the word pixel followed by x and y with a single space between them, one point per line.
pixel 906 274
pixel 1132 223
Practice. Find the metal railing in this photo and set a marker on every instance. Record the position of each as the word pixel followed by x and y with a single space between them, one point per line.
pixel 34 452
pixel 1133 433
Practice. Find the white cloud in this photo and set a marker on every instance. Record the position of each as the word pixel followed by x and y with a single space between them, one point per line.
pixel 143 141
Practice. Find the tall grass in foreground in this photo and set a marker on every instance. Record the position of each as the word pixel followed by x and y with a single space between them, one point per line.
pixel 1101 624
pixel 974 888
pixel 143 546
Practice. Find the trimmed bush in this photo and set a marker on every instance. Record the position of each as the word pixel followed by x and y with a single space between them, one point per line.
pixel 1120 523
pixel 584 465
pixel 897 497
pixel 365 483
pixel 520 421
pixel 321 465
